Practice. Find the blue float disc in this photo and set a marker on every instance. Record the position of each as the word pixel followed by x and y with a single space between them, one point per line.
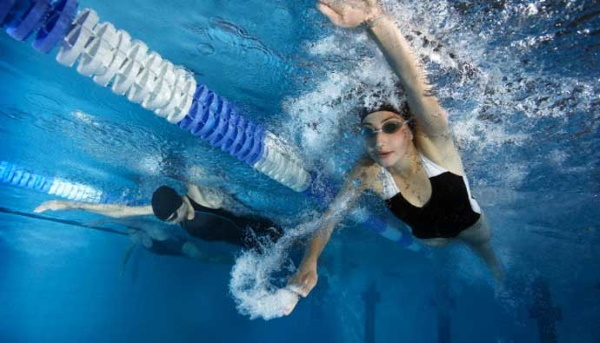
pixel 31 20
pixel 56 27
pixel 5 7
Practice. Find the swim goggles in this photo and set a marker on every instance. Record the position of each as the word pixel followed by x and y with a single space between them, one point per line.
pixel 173 217
pixel 389 127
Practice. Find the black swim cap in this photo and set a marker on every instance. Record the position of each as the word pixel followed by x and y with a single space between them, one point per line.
pixel 403 111
pixel 165 202
pixel 365 111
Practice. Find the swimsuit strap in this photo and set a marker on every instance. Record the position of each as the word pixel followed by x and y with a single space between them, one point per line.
pixel 390 189
pixel 389 185
pixel 472 201
pixel 431 168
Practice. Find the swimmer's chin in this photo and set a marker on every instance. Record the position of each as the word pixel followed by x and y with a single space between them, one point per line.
pixel 385 159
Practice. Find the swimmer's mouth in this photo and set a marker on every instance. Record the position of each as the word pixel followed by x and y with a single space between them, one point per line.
pixel 384 154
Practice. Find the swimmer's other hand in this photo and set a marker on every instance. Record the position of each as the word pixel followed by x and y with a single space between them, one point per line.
pixel 291 298
pixel 303 281
pixel 351 13
pixel 54 205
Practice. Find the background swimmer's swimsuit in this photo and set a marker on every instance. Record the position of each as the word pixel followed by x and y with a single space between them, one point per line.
pixel 220 225
pixel 450 210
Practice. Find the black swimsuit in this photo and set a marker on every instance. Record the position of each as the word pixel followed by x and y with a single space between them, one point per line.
pixel 449 211
pixel 221 225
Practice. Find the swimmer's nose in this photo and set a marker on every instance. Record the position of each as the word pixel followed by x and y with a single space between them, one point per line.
pixel 380 139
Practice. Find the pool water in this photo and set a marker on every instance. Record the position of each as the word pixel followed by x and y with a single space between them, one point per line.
pixel 520 80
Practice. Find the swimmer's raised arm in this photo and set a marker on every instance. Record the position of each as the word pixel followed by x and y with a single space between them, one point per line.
pixel 430 116
pixel 109 210
pixel 306 276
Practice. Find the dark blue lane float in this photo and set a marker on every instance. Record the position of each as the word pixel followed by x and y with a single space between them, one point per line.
pixel 220 123
pixel 51 21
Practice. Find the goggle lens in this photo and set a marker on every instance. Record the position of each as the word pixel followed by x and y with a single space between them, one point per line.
pixel 389 128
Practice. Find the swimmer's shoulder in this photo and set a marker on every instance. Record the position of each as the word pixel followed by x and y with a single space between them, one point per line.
pixel 364 166
pixel 367 171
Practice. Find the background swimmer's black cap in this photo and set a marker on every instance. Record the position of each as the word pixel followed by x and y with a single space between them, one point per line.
pixel 165 201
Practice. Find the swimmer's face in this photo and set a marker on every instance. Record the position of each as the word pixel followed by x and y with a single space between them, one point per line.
pixel 386 136
pixel 185 211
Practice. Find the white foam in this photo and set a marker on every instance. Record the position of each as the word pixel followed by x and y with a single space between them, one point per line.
pixel 84 117
pixel 256 290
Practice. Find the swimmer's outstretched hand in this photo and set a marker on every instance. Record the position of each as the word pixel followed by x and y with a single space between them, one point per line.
pixel 300 285
pixel 350 13
pixel 54 205
pixel 303 281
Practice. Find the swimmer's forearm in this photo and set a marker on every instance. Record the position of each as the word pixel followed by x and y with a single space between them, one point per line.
pixel 114 211
pixel 316 246
pixel 351 190
pixel 399 53
pixel 406 65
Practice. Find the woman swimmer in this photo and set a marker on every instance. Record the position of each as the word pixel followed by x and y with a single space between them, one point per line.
pixel 412 162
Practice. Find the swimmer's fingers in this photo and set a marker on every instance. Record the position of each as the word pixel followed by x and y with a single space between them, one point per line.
pixel 330 13
pixel 298 290
pixel 53 205
pixel 41 208
pixel 291 306
pixel 349 14
pixel 308 285
pixel 297 287
pixel 302 284
pixel 375 4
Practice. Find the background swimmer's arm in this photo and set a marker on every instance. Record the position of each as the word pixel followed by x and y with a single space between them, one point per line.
pixel 305 278
pixel 126 257
pixel 193 191
pixel 114 211
pixel 205 196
